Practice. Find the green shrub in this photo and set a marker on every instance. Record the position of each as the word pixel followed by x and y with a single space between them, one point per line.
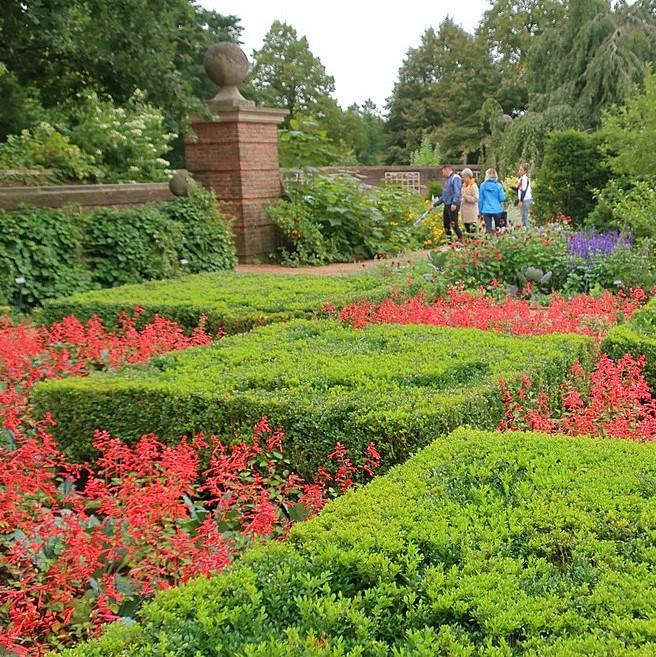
pixel 44 247
pixel 126 143
pixel 207 237
pixel 43 147
pixel 636 337
pixel 60 252
pixel 483 545
pixel 335 218
pixel 129 246
pixel 572 168
pixel 627 205
pixel 323 382
pixel 229 301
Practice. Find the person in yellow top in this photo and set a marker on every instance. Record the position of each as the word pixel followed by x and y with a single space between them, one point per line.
pixel 469 201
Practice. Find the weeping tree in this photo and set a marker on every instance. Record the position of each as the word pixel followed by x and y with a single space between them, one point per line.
pixel 596 59
pixel 593 62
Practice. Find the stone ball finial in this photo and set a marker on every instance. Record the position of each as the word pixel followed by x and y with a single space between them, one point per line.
pixel 181 183
pixel 227 66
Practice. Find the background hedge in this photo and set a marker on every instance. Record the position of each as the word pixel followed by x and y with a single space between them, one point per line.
pixel 231 301
pixel 60 252
pixel 636 337
pixel 483 545
pixel 323 382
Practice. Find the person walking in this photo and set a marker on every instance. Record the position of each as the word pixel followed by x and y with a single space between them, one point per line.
pixel 469 201
pixel 490 201
pixel 524 194
pixel 451 195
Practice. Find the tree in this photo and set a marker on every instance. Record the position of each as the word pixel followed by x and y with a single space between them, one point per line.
pixel 510 28
pixel 441 88
pixel 306 144
pixel 596 59
pixel 629 133
pixel 572 169
pixel 286 74
pixel 54 50
pixel 426 155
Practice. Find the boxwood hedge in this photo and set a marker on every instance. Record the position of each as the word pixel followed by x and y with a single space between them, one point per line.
pixel 482 545
pixel 323 382
pixel 232 301
pixel 637 337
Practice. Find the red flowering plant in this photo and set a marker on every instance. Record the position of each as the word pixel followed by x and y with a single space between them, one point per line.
pixel 614 400
pixel 30 353
pixel 82 545
pixel 583 313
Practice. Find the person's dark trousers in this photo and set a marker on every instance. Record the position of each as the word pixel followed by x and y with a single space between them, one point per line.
pixel 451 220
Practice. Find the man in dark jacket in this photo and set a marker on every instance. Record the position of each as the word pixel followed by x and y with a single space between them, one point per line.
pixel 451 199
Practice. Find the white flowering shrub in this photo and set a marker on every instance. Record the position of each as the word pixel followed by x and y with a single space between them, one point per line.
pixel 127 143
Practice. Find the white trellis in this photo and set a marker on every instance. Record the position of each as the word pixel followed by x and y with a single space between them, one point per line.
pixel 407 179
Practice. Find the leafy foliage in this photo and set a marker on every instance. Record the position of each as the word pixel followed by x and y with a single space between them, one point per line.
pixel 594 58
pixel 627 130
pixel 56 50
pixel 440 88
pixel 427 155
pixel 305 143
pixel 335 218
pixel 636 337
pixel 207 238
pixel 286 74
pixel 43 147
pixel 572 169
pixel 129 246
pixel 482 544
pixel 507 261
pixel 60 252
pixel 44 248
pixel 321 381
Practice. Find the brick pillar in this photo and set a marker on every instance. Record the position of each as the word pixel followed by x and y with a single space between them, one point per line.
pixel 236 155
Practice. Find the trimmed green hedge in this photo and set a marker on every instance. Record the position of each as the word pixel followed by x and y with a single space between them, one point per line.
pixel 231 301
pixel 483 545
pixel 323 382
pixel 637 337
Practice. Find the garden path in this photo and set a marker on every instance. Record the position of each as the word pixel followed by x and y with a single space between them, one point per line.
pixel 328 270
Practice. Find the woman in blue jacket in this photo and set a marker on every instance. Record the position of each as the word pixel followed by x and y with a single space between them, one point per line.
pixel 491 198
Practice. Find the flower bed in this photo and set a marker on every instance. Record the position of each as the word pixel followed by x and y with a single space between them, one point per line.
pixel 228 301
pixel 572 262
pixel 81 545
pixel 323 382
pixel 636 337
pixel 583 314
pixel 483 544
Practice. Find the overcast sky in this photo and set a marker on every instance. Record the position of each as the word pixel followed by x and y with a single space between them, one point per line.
pixel 362 44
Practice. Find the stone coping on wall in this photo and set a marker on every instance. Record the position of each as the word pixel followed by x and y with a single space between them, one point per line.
pixel 85 196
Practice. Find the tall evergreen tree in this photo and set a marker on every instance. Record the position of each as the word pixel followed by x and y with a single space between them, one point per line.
pixel 510 28
pixel 440 91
